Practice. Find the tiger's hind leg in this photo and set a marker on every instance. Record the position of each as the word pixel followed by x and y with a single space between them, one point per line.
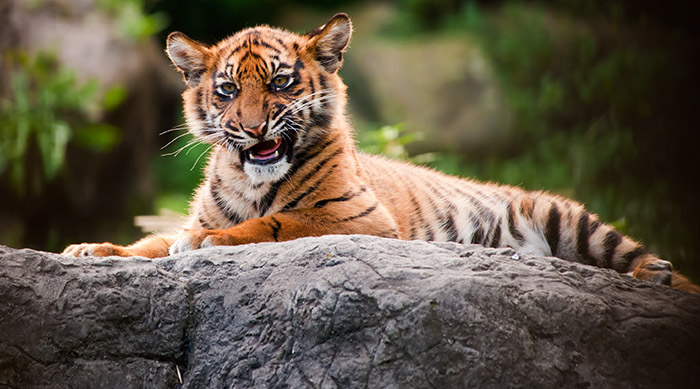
pixel 656 270
pixel 653 269
pixel 576 235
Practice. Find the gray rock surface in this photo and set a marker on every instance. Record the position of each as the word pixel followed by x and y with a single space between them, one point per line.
pixel 339 311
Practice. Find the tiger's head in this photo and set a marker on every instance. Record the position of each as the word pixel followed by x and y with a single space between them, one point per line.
pixel 264 94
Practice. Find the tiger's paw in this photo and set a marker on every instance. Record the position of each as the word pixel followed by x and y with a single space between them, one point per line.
pixel 199 239
pixel 655 270
pixel 96 250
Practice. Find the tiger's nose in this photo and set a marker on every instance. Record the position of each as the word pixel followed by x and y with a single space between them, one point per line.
pixel 257 131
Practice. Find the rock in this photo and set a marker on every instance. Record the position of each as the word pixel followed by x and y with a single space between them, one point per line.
pixel 459 107
pixel 440 85
pixel 339 311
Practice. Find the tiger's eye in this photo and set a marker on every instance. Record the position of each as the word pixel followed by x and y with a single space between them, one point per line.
pixel 281 81
pixel 227 88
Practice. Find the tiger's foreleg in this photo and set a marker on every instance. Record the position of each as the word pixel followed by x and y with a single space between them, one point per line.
pixel 289 225
pixel 154 246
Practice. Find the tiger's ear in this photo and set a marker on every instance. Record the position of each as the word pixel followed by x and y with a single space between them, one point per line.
pixel 188 55
pixel 329 41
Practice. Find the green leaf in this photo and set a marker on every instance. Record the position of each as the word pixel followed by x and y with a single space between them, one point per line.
pixel 52 145
pixel 98 137
pixel 114 97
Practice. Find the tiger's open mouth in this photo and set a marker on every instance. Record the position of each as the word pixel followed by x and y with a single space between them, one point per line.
pixel 267 152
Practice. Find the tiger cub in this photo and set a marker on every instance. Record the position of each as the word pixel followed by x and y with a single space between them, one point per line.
pixel 284 165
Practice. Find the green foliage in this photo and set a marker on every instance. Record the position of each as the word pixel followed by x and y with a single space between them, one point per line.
pixel 48 108
pixel 178 171
pixel 132 20
pixel 391 141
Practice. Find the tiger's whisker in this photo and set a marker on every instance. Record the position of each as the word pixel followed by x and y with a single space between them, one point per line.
pixel 174 139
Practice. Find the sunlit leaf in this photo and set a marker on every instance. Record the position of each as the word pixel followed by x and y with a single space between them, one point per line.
pixel 114 97
pixel 98 137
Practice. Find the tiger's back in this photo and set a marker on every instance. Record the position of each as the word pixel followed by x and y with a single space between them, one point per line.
pixel 284 165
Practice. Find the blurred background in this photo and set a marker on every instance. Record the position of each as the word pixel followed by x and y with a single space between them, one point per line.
pixel 596 100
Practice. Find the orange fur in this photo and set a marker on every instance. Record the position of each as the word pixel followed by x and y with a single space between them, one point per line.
pixel 284 166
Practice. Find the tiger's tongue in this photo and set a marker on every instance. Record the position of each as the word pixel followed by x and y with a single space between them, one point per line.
pixel 266 148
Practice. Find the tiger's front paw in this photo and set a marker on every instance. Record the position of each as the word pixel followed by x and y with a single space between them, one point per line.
pixel 95 250
pixel 199 239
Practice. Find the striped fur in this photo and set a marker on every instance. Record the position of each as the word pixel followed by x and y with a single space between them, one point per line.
pixel 266 89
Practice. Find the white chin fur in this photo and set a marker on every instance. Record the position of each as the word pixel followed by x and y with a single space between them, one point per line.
pixel 260 174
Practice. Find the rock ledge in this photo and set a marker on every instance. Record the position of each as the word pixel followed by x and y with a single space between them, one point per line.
pixel 339 311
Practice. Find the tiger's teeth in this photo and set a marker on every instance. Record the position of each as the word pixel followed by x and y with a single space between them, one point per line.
pixel 252 155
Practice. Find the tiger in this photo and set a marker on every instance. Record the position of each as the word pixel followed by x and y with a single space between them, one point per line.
pixel 283 165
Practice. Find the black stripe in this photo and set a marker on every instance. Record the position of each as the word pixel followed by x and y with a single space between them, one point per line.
pixel 345 197
pixel 276 226
pixel 552 229
pixel 439 191
pixel 234 51
pixel 232 216
pixel 252 54
pixel 481 209
pixel 478 236
pixel 622 265
pixel 610 243
pixel 436 212
pixel 582 240
pixel 204 224
pixel 310 189
pixel 322 81
pixel 321 119
pixel 361 214
pixel 430 236
pixel 429 232
pixel 451 230
pixel 202 116
pixel 318 167
pixel 298 65
pixel 496 241
pixel 416 207
pixel 231 125
pixel 305 157
pixel 269 46
pixel 232 135
pixel 512 228
pixel 269 197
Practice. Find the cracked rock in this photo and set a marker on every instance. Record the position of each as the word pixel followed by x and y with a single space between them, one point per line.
pixel 339 311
